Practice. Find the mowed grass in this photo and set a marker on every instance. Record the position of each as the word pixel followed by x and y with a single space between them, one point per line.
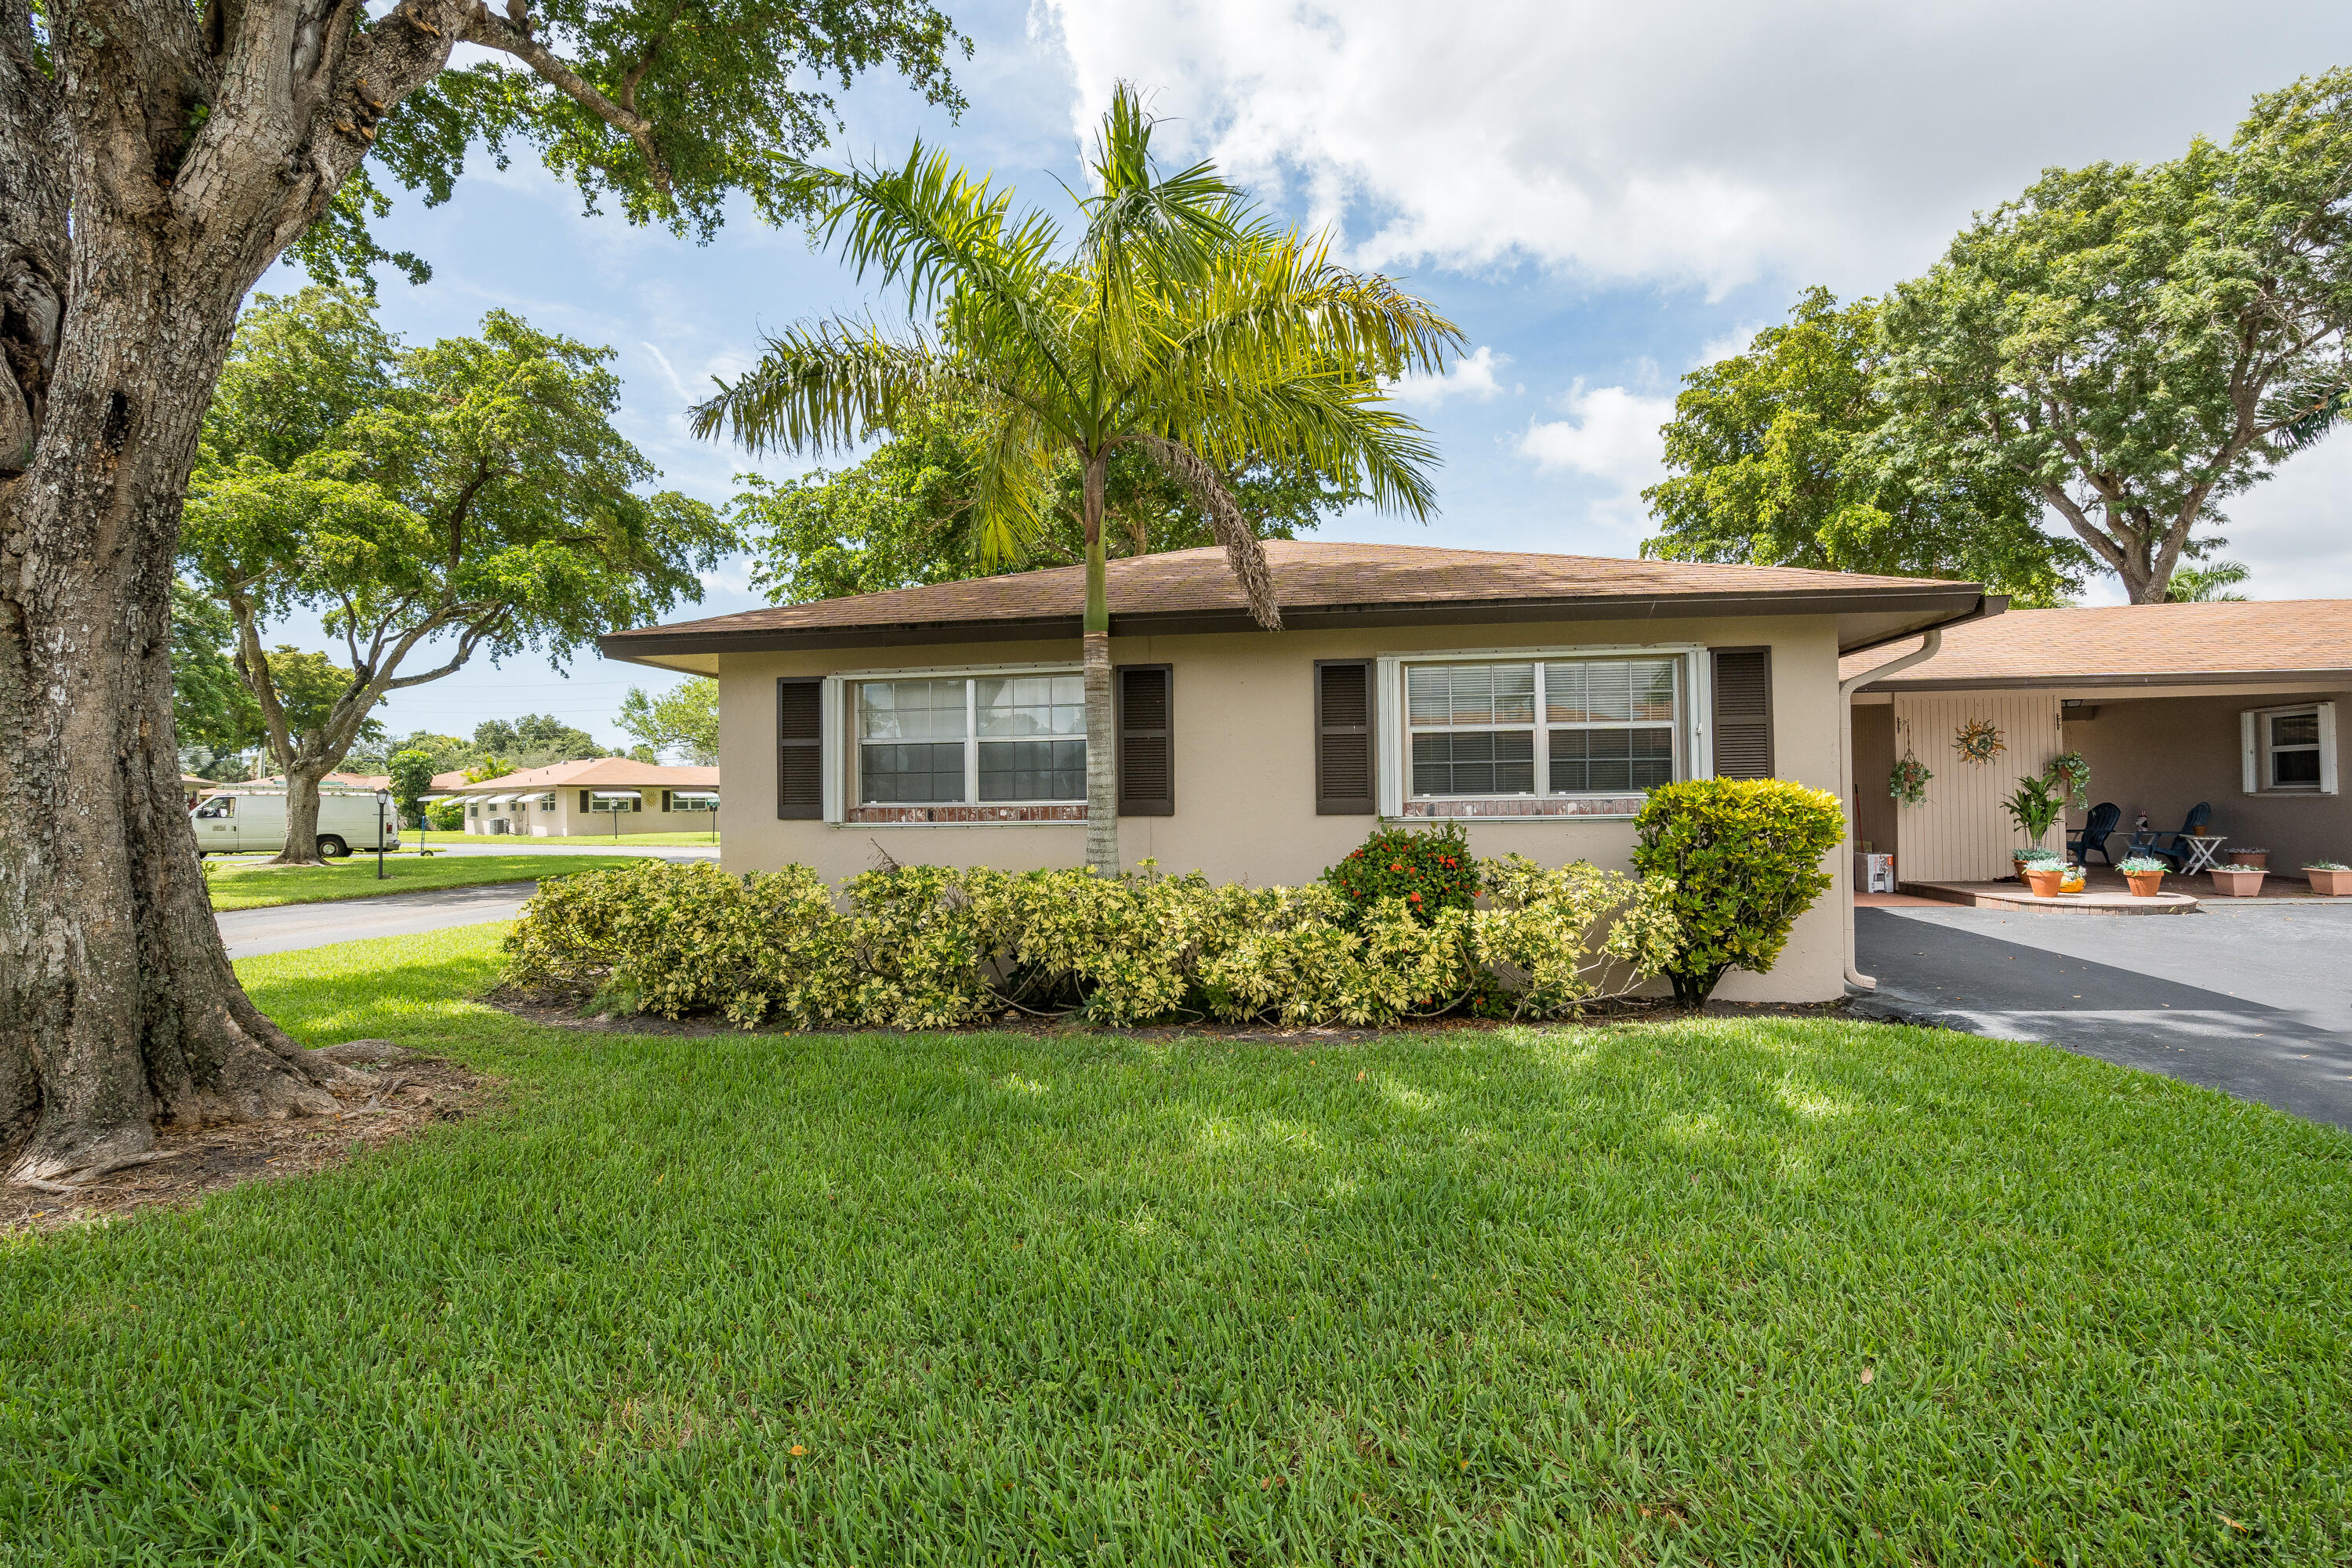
pixel 1718 1291
pixel 253 886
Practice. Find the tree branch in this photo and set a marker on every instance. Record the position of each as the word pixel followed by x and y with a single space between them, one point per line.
pixel 493 32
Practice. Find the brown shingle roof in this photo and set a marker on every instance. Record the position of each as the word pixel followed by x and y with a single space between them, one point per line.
pixel 2131 644
pixel 1315 583
pixel 592 772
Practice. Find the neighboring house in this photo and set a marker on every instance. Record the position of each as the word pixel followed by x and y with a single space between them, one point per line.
pixel 1536 697
pixel 2235 705
pixel 598 795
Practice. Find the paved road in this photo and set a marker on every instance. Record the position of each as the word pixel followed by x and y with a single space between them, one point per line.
pixel 2254 1002
pixel 285 927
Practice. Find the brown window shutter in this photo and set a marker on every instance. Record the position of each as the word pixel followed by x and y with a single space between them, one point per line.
pixel 800 749
pixel 1343 737
pixel 584 800
pixel 1743 712
pixel 1142 699
pixel 665 803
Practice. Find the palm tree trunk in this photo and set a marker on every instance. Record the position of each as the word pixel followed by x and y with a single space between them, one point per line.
pixel 1102 773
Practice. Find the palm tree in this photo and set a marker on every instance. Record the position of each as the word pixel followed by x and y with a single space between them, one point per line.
pixel 1179 323
pixel 2205 584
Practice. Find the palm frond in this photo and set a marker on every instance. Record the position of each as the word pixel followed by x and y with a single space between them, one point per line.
pixel 1145 227
pixel 1008 509
pixel 1244 554
pixel 832 385
pixel 2311 413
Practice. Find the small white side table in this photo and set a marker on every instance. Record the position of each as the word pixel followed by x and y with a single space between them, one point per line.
pixel 2202 852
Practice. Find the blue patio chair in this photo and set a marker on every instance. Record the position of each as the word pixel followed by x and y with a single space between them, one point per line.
pixel 2168 845
pixel 2090 839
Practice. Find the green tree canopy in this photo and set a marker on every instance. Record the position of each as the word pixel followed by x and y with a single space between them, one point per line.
pixel 411 770
pixel 535 740
pixel 215 714
pixel 430 504
pixel 906 515
pixel 684 721
pixel 663 106
pixel 2138 345
pixel 1778 461
pixel 1175 323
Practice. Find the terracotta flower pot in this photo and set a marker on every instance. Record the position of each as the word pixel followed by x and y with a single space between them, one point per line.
pixel 2251 859
pixel 2335 884
pixel 2044 882
pixel 2236 881
pixel 2145 884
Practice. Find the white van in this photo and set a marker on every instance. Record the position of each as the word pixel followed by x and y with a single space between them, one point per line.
pixel 234 820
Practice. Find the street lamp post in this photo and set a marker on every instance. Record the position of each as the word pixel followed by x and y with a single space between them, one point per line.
pixel 382 799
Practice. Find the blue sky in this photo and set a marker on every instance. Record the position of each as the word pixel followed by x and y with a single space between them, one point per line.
pixel 1601 196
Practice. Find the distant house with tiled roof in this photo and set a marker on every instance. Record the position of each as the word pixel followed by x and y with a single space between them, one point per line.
pixel 2233 705
pixel 1535 698
pixel 595 794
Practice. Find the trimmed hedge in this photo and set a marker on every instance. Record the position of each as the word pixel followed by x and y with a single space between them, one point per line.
pixel 1743 858
pixel 927 947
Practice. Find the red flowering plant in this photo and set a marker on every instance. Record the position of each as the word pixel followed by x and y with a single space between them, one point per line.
pixel 1429 871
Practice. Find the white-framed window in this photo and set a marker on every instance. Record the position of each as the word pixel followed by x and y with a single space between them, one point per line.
pixel 472 809
pixel 2289 751
pixel 1540 732
pixel 1013 739
pixel 547 801
pixel 689 800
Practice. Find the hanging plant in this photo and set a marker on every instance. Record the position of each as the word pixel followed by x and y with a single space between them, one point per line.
pixel 1908 781
pixel 2072 775
pixel 1980 740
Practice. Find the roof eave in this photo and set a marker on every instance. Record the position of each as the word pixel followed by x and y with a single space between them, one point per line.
pixel 2051 681
pixel 1936 605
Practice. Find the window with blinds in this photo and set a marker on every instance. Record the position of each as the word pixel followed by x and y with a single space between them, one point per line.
pixel 956 739
pixel 1541 728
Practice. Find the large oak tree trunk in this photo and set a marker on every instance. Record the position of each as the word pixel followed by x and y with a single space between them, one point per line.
pixel 118 1008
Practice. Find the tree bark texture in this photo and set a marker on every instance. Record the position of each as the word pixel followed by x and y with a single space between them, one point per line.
pixel 1102 744
pixel 118 1008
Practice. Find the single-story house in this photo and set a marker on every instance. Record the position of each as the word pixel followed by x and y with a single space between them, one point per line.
pixel 1534 697
pixel 597 794
pixel 2232 705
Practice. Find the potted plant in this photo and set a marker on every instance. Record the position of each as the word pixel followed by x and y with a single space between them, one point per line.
pixel 2145 875
pixel 2035 806
pixel 2251 859
pixel 2330 878
pixel 2236 881
pixel 2025 860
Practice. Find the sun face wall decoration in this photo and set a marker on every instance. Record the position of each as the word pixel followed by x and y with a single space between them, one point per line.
pixel 1979 741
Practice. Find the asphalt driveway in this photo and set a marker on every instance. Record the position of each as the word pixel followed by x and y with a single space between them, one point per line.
pixel 2254 1001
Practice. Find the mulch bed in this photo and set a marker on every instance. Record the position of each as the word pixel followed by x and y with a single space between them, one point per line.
pixel 407 1094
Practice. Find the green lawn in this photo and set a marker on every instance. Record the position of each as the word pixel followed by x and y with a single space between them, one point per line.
pixel 252 886
pixel 1740 1292
pixel 438 838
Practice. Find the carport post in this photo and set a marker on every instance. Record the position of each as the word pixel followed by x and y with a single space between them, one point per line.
pixel 1846 688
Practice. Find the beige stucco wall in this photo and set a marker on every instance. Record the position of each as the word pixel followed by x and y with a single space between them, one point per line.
pixel 2160 756
pixel 1244 706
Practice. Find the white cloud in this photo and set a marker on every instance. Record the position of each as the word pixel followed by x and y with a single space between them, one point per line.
pixel 1707 141
pixel 1472 376
pixel 1609 434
